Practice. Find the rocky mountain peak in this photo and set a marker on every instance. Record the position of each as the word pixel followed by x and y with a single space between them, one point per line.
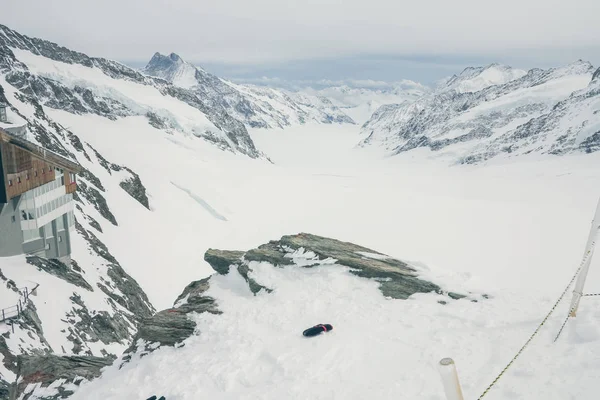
pixel 160 62
pixel 596 76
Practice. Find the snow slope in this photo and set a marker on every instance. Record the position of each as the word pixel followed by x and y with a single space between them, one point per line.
pixel 515 231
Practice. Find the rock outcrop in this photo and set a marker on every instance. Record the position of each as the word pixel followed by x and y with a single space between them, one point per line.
pixel 40 371
pixel 172 326
pixel 397 279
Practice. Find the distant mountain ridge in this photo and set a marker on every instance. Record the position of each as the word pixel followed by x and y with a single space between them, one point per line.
pixel 255 106
pixel 491 111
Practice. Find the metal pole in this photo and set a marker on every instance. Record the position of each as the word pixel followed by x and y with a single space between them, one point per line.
pixel 588 253
pixel 450 381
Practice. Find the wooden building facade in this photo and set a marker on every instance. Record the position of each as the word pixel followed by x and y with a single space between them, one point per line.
pixel 25 166
pixel 36 199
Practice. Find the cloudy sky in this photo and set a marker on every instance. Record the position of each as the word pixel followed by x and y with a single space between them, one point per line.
pixel 307 40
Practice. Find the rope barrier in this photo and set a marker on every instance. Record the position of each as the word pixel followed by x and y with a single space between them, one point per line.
pixel 538 328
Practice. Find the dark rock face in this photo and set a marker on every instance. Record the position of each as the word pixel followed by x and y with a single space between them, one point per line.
pixel 221 260
pixel 135 300
pixel 134 187
pixel 60 270
pixel 4 389
pixel 596 75
pixel 94 197
pixel 46 369
pixel 172 326
pixel 397 279
pixel 76 101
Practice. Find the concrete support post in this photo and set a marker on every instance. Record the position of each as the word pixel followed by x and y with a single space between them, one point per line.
pixel 450 381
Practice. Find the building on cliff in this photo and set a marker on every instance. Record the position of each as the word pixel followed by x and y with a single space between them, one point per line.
pixel 36 199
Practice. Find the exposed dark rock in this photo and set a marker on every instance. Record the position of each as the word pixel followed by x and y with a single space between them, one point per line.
pixel 134 187
pixel 100 326
pixel 156 121
pixel 77 100
pixel 108 166
pixel 397 279
pixel 135 300
pixel 93 179
pixel 592 143
pixel 221 260
pixel 60 270
pixel 4 389
pixel 254 286
pixel 76 142
pixel 93 223
pixel 172 326
pixel 46 369
pixel 95 198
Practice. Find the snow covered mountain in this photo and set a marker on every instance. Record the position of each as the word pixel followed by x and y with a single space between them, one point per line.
pixel 255 106
pixel 361 101
pixel 486 112
pixel 66 80
pixel 474 79
pixel 157 191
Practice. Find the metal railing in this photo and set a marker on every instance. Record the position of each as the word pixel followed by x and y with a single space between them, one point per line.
pixel 14 312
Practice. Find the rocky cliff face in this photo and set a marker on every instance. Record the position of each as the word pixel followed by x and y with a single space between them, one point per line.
pixel 472 118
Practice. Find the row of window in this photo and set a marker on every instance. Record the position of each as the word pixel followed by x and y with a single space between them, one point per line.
pixel 36 234
pixel 27 214
pixel 48 187
pixel 35 174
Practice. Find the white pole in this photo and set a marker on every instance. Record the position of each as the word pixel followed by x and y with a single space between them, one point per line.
pixel 587 259
pixel 450 379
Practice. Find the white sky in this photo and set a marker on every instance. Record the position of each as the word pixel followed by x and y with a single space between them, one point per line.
pixel 267 31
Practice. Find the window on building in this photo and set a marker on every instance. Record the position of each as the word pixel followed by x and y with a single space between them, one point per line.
pixel 62 180
pixel 18 179
pixel 30 215
pixel 13 219
pixel 10 182
pixel 60 239
pixel 43 170
pixel 47 246
pixel 27 176
pixel 35 173
pixel 23 215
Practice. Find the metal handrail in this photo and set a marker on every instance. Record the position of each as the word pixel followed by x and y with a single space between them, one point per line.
pixel 15 311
